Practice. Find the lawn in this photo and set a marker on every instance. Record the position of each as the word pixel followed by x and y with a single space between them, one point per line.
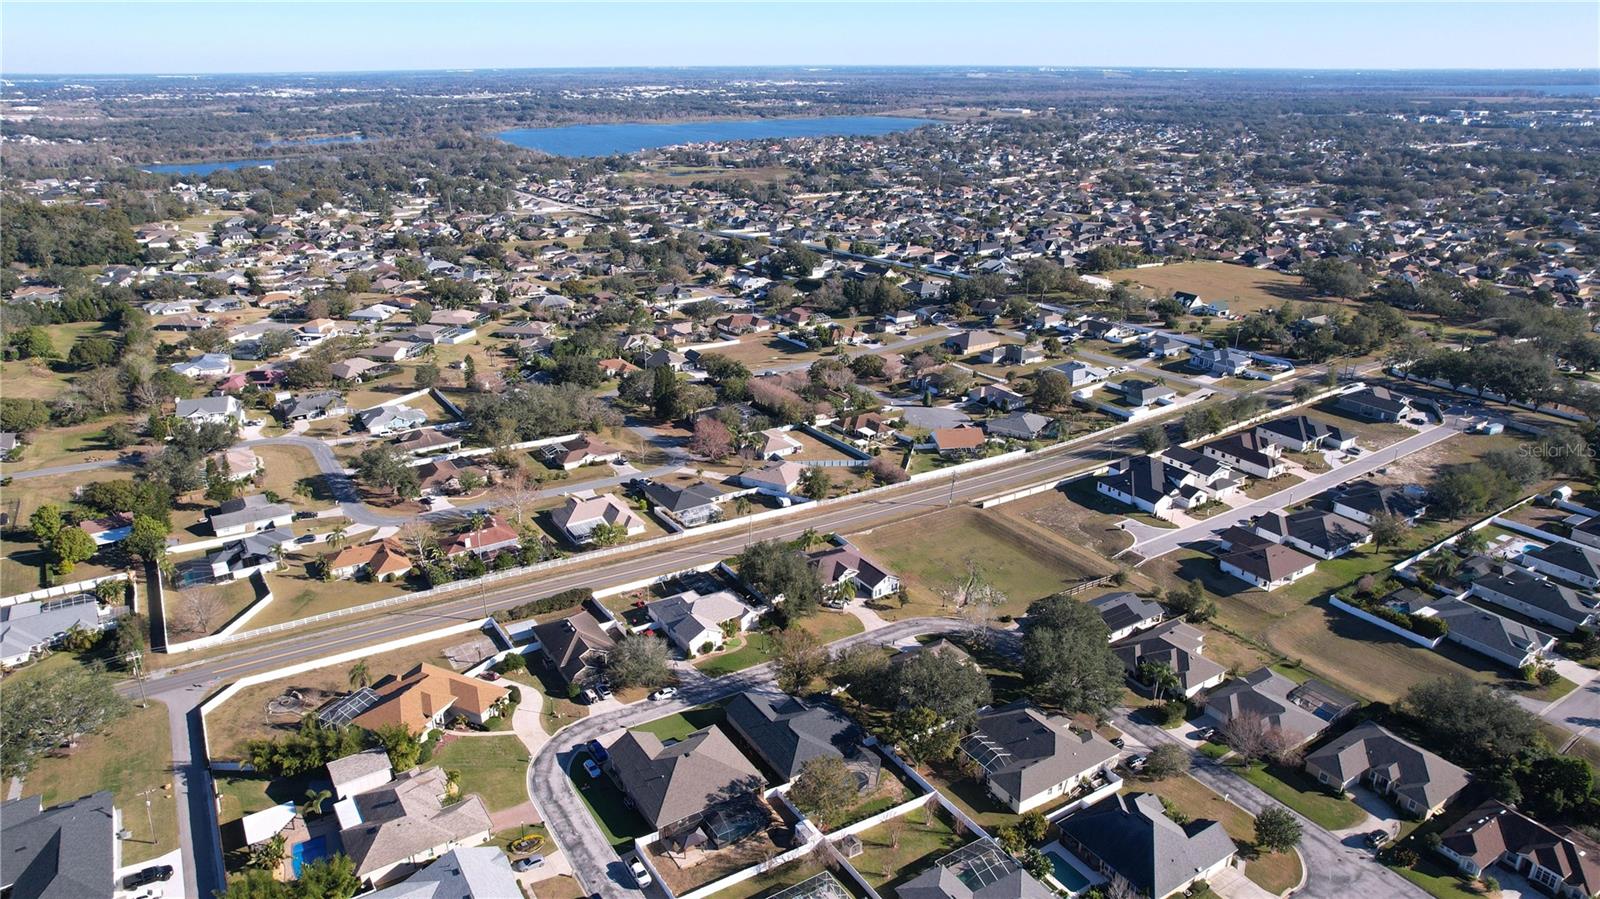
pixel 555 709
pixel 285 466
pixel 243 794
pixel 930 552
pixel 132 758
pixel 606 802
pixel 1259 488
pixel 1437 879
pixel 758 646
pixel 494 767
pixel 779 878
pixel 1083 492
pixel 1275 872
pixel 684 723
pixel 1299 792
pixel 1245 289
pixel 897 850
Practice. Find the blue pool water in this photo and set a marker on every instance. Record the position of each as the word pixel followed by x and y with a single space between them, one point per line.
pixel 1067 875
pixel 630 137
pixel 311 850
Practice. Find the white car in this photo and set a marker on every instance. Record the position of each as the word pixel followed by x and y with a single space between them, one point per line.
pixel 640 875
pixel 664 693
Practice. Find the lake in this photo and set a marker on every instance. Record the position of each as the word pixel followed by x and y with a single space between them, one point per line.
pixel 206 168
pixel 631 137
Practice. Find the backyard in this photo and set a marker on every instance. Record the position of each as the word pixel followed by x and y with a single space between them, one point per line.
pixel 495 767
pixel 901 848
pixel 756 647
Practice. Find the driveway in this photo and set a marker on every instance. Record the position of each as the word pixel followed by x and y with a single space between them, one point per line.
pixel 1150 541
pixel 1578 711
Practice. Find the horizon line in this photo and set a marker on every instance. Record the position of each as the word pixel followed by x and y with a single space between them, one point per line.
pixel 1029 67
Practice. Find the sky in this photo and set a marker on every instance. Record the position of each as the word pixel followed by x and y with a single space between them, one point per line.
pixel 57 36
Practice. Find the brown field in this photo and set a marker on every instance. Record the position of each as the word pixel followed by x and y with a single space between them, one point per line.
pixel 1245 289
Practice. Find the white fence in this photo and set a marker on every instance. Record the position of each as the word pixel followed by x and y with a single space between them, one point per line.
pixel 64 589
pixel 1389 626
pixel 263 598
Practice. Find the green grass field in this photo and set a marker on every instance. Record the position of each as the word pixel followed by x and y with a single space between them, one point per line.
pixel 1301 793
pixel 495 768
pixel 620 823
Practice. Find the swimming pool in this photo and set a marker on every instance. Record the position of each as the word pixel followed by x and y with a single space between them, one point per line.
pixel 308 852
pixel 1066 875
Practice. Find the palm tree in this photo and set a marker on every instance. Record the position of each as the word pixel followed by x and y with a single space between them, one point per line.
pixel 337 535
pixel 360 675
pixel 741 505
pixel 1161 678
pixel 314 800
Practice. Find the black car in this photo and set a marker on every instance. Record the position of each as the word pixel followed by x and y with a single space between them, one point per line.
pixel 152 874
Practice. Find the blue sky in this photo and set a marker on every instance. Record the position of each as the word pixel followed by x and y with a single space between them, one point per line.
pixel 239 36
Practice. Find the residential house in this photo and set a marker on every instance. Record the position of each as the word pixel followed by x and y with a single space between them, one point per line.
pixel 64 851
pixel 1126 612
pixel 690 506
pixel 1247 452
pixel 247 514
pixel 382 421
pixel 238 559
pixel 1012 354
pixel 208 365
pixel 1564 561
pixel 311 407
pixel 675 786
pixel 779 479
pixel 1536 598
pixel 1267 567
pixel 427 696
pixel 485 541
pixel 353 370
pixel 1364 500
pixel 786 733
pixel 979 870
pixel 1152 484
pixel 1414 779
pixel 380 560
pixel 1161 346
pixel 1511 643
pixel 10 442
pixel 392 351
pixel 1130 836
pixel 1029 759
pixel 1376 404
pixel 1140 394
pixel 30 629
pixel 1560 860
pixel 239 463
pixel 1302 434
pixel 416 443
pixel 585 510
pixel 698 623
pixel 392 831
pixel 108 530
pixel 576 646
pixel 969 342
pixel 1222 362
pixel 775 443
pixel 584 449
pixel 359 772
pixel 958 442
pixel 847 564
pixel 1175 644
pixel 1021 426
pixel 1081 374
pixel 997 396
pixel 1299 711
pixel 211 410
pixel 468 872
pixel 1326 535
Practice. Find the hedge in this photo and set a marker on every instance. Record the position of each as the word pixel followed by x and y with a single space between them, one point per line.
pixel 555 602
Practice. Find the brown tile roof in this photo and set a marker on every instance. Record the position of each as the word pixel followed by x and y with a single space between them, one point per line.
pixel 381 557
pixel 414 698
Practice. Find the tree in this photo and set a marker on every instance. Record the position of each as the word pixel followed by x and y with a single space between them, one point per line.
pixel 945 683
pixel 147 539
pixel 1472 723
pixel 774 569
pixel 197 611
pixel 711 439
pixel 405 750
pixel 332 877
pixel 923 736
pixel 425 375
pixel 382 467
pixel 824 789
pixel 45 523
pixel 860 669
pixel 1277 830
pixel 1166 760
pixel 39 714
pixel 1388 530
pixel 797 660
pixel 974 597
pixel 132 636
pixel 815 482
pixel 268 854
pixel 71 546
pixel 1160 677
pixel 1153 439
pixel 1253 737
pixel 1334 278
pixel 1036 863
pixel 360 675
pixel 639 660
pixel 608 534
pixel 885 470
pixel 1051 390
pixel 1067 658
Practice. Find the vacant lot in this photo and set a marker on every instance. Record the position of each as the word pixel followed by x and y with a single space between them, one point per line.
pixel 133 759
pixel 1244 289
pixel 930 552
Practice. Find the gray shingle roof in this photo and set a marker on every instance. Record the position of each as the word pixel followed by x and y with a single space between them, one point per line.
pixel 1132 834
pixel 62 852
pixel 669 783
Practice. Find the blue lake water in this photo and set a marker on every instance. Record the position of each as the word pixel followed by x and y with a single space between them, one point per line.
pixel 631 137
pixel 206 168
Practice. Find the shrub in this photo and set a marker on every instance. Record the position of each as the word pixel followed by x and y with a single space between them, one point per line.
pixel 555 602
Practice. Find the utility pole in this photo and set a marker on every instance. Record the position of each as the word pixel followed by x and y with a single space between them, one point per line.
pixel 951 500
pixel 135 660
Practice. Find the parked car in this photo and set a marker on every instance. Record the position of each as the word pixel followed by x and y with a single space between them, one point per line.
pixel 528 864
pixel 489 676
pixel 1119 743
pixel 306 538
pixel 1136 763
pixel 592 769
pixel 142 877
pixel 1377 838
pixel 664 693
pixel 598 751
pixel 640 875
pixel 602 690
